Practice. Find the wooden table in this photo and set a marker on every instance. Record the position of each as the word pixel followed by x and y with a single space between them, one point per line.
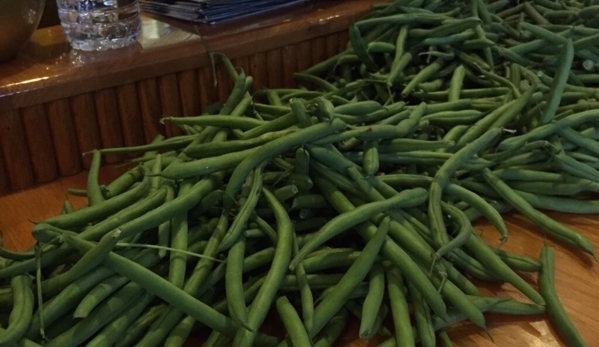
pixel 577 275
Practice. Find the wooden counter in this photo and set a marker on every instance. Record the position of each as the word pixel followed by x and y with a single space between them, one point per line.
pixel 56 103
pixel 577 275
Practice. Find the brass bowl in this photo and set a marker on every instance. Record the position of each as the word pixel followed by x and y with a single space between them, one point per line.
pixel 18 21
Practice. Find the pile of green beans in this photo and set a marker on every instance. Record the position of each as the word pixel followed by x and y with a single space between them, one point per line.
pixel 351 195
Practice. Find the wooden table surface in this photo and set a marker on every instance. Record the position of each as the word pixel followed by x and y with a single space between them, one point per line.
pixel 577 275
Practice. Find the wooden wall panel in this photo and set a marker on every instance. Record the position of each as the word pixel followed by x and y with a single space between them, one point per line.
pixel 258 70
pixel 304 56
pixel 40 143
pixel 171 103
pixel 4 179
pixel 151 109
pixel 224 83
pixel 190 93
pixel 66 146
pixel 208 91
pixel 332 45
pixel 274 61
pixel 45 141
pixel 290 63
pixel 86 125
pixel 16 154
pixel 130 114
pixel 109 122
pixel 318 50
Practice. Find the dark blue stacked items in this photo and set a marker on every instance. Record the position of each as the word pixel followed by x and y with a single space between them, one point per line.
pixel 213 11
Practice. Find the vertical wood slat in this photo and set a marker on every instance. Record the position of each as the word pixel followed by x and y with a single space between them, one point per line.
pixel 224 83
pixel 4 180
pixel 109 122
pixel 304 58
pixel 343 39
pixel 290 60
pixel 332 45
pixel 258 71
pixel 66 146
pixel 130 115
pixel 171 104
pixel 318 50
pixel 39 140
pixel 151 109
pixel 208 92
pixel 274 65
pixel 14 148
pixel 86 125
pixel 190 98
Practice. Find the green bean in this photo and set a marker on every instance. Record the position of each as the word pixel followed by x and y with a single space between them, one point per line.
pixel 373 301
pixel 422 317
pixel 408 145
pixel 271 149
pixel 114 305
pixel 559 82
pixel 575 167
pixel 422 76
pixel 234 283
pixel 178 142
pixel 245 212
pixel 97 294
pixel 265 295
pixel 371 160
pixel 319 82
pixel 331 304
pixel 359 215
pixel 399 308
pixel 22 312
pixel 292 322
pixel 115 329
pixel 93 213
pixel 285 193
pixel 550 226
pixel 441 180
pixel 464 230
pixel 160 287
pixel 556 311
pixel 309 201
pixel 451 118
pixel 94 192
pixel 359 47
pixel 356 307
pixel 455 86
pixel 331 332
pixel 390 250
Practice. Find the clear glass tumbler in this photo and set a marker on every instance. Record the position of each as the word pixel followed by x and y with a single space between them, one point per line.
pixel 96 25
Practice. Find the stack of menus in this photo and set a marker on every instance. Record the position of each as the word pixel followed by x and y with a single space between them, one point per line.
pixel 213 11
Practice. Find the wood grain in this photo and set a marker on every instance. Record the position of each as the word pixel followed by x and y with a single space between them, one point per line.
pixel 190 93
pixel 209 93
pixel 225 82
pixel 290 63
pixel 66 147
pixel 171 103
pixel 149 101
pixel 319 51
pixel 130 115
pixel 109 122
pixel 304 56
pixel 332 45
pixel 4 182
pixel 39 140
pixel 16 153
pixel 259 71
pixel 86 125
pixel 577 275
pixel 274 63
